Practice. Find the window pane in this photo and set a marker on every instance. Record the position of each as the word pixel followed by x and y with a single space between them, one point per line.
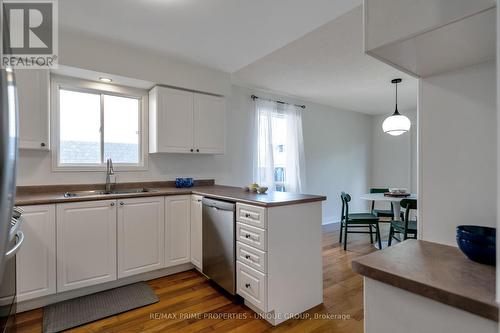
pixel 79 129
pixel 121 129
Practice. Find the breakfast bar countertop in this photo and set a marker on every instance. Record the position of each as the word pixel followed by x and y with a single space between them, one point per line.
pixel 435 271
pixel 38 195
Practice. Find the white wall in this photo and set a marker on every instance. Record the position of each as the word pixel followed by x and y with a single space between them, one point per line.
pixel 394 161
pixel 457 151
pixel 338 156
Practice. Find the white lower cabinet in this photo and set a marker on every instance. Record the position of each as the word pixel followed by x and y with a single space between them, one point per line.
pixel 251 255
pixel 140 235
pixel 36 260
pixel 251 285
pixel 86 244
pixel 177 230
pixel 196 231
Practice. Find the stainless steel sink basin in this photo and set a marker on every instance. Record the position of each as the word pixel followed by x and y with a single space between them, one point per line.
pixel 101 192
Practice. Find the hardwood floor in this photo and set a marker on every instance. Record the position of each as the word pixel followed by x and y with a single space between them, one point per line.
pixel 188 303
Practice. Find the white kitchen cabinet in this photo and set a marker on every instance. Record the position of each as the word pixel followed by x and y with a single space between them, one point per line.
pixel 196 231
pixel 36 260
pixel 185 122
pixel 140 235
pixel 33 96
pixel 177 230
pixel 209 123
pixel 171 120
pixel 86 244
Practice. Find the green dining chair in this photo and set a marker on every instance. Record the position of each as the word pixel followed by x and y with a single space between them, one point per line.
pixel 357 220
pixel 405 228
pixel 382 212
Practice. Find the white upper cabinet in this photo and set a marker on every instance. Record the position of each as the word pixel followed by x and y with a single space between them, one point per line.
pixel 209 124
pixel 33 96
pixel 140 235
pixel 429 37
pixel 86 244
pixel 185 122
pixel 36 260
pixel 171 120
pixel 177 230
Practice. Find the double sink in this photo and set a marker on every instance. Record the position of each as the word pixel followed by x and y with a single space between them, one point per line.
pixel 112 192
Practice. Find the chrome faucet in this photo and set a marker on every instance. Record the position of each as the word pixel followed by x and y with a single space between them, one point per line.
pixel 109 172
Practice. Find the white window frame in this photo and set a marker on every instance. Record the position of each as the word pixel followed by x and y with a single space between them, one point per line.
pixel 80 85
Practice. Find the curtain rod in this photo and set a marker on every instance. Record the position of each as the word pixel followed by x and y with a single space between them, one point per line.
pixel 280 102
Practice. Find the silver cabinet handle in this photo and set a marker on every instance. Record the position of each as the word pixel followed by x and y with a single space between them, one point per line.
pixel 112 204
pixel 12 252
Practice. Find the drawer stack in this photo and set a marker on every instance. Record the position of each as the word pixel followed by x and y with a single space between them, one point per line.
pixel 251 254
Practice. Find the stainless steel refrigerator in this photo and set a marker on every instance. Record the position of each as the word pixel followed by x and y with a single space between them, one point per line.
pixel 11 237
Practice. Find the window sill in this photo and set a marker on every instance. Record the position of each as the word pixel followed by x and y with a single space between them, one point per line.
pixel 117 168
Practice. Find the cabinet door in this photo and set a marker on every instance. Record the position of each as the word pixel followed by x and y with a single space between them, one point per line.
pixel 196 231
pixel 209 124
pixel 36 260
pixel 174 128
pixel 177 230
pixel 86 244
pixel 33 96
pixel 140 236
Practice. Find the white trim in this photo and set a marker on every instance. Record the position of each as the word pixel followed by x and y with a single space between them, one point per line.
pixel 63 296
pixel 68 83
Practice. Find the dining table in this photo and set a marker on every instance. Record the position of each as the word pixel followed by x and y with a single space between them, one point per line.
pixel 396 204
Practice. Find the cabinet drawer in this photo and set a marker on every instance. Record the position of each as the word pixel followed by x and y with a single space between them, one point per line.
pixel 251 215
pixel 252 285
pixel 255 237
pixel 251 256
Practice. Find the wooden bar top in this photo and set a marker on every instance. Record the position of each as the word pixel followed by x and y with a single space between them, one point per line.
pixel 38 195
pixel 439 272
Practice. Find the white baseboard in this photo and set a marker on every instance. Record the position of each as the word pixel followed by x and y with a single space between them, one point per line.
pixel 59 297
pixel 330 221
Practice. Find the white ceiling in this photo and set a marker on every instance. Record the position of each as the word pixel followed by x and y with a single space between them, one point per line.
pixel 329 66
pixel 222 34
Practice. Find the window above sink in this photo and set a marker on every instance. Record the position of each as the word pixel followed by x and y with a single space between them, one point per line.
pixel 92 122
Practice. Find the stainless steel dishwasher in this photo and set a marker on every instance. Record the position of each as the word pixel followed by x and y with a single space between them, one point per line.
pixel 219 244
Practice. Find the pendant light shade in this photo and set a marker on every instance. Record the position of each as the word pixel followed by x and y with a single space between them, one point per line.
pixel 396 124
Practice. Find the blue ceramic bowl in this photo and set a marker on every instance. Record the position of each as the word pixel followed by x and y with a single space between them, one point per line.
pixel 478 243
pixel 184 182
pixel 478 234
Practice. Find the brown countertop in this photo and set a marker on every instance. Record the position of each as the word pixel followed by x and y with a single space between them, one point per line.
pixel 38 195
pixel 435 271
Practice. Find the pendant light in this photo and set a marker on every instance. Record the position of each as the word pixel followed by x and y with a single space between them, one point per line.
pixel 396 124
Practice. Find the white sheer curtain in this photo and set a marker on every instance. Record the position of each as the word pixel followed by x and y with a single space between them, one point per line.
pixel 279 145
pixel 295 159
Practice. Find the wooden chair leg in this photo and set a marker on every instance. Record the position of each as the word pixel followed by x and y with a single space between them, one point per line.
pixel 377 229
pixel 371 233
pixel 345 236
pixel 391 234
